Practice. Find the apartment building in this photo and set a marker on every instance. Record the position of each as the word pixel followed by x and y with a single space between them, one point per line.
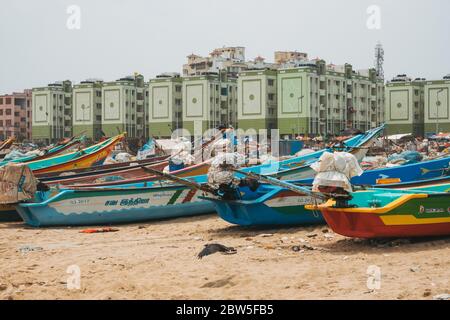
pixel 15 115
pixel 310 98
pixel 257 99
pixel 437 105
pixel 52 112
pixel 123 109
pixel 165 104
pixel 209 101
pixel 405 106
pixel 228 59
pixel 87 109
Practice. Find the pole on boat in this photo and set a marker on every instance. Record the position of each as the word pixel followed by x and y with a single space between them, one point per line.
pixel 282 184
pixel 182 181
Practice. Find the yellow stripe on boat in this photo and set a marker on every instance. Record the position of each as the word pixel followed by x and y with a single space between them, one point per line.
pixel 394 204
pixel 398 220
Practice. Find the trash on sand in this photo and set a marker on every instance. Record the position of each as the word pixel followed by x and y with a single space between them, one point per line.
pixel 215 247
pixel 102 230
pixel 29 248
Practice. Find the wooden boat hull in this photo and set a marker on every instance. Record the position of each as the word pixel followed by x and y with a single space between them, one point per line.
pixel 103 169
pixel 357 146
pixel 275 208
pixel 8 213
pixel 114 206
pixel 131 176
pixel 93 159
pixel 417 215
pixel 271 205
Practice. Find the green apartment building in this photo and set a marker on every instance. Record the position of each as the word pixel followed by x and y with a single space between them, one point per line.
pixel 165 105
pixel 87 109
pixel 52 112
pixel 257 100
pixel 208 101
pixel 312 98
pixel 437 105
pixel 123 109
pixel 405 106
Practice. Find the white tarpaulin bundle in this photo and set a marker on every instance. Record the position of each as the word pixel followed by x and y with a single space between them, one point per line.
pixel 336 170
pixel 17 183
pixel 218 173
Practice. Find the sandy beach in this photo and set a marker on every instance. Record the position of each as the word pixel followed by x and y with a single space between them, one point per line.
pixel 158 260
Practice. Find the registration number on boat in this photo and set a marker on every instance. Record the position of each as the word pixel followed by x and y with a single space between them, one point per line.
pixel 79 201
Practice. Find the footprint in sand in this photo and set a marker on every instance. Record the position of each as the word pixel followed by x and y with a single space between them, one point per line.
pixel 219 283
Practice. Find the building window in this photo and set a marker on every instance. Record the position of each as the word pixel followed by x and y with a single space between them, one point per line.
pixel 271 96
pixel 98 118
pixel 8 123
pixel 177 88
pixel 1 100
pixel 8 112
pixel 1 112
pixel 1 123
pixel 270 82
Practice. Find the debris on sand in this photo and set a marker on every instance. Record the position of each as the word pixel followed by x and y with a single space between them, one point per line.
pixel 215 247
pixel 29 248
pixel 444 296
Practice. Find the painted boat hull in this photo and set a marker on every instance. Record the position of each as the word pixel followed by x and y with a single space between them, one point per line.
pixel 95 158
pixel 407 220
pixel 132 176
pixel 271 205
pixel 114 206
pixel 103 169
pixel 8 213
pixel 274 207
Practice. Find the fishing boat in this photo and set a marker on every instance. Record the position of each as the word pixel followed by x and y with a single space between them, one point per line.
pixel 130 177
pixel 294 169
pixel 52 152
pixel 104 168
pixel 283 203
pixel 45 205
pixel 114 205
pixel 7 143
pixel 415 172
pixel 92 156
pixel 386 213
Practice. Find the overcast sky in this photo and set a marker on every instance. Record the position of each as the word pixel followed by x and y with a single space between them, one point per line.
pixel 118 37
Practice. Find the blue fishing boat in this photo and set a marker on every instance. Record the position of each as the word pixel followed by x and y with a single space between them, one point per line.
pixel 52 152
pixel 105 205
pixel 114 206
pixel 275 205
pixel 407 173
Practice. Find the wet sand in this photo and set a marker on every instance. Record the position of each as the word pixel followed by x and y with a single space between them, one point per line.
pixel 158 260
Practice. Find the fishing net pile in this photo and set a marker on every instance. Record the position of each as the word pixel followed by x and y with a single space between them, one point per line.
pixel 335 170
pixel 219 173
pixel 17 183
pixel 180 155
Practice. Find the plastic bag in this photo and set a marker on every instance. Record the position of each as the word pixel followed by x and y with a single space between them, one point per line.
pixel 336 170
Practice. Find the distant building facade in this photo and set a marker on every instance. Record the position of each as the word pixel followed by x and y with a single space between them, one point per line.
pixel 123 104
pixel 437 105
pixel 165 104
pixel 405 107
pixel 257 100
pixel 15 115
pixel 311 98
pixel 209 101
pixel 87 109
pixel 52 112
